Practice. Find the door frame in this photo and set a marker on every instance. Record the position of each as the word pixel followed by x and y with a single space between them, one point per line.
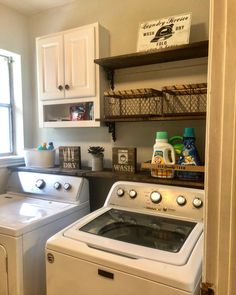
pixel 219 268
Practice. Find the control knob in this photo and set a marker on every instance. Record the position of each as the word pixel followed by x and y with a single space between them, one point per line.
pixel 57 185
pixel 67 186
pixel 40 183
pixel 155 197
pixel 197 202
pixel 120 192
pixel 181 200
pixel 132 194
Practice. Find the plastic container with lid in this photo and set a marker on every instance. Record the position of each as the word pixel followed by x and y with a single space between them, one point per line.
pixel 163 154
pixel 189 155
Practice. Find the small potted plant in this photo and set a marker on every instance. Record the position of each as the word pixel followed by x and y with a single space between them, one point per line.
pixel 97 157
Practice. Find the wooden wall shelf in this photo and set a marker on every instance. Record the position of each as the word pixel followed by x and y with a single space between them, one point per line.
pixel 170 54
pixel 175 53
pixel 111 123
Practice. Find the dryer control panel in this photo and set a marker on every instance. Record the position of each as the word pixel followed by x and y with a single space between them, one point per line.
pixel 171 200
pixel 61 188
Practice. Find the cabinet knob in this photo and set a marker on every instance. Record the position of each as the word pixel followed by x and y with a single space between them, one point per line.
pixel 60 87
pixel 67 87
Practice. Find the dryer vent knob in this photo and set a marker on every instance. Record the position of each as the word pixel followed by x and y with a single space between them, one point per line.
pixel 40 183
pixel 67 186
pixel 57 185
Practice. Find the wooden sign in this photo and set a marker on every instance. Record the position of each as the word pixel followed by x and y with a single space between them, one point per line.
pixel 165 32
pixel 124 159
pixel 69 157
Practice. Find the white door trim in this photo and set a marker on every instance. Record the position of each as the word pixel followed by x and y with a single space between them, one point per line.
pixel 219 267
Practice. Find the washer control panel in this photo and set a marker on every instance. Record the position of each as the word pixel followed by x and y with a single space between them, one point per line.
pixel 178 201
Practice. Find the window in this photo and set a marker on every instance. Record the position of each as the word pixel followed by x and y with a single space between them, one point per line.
pixel 11 110
pixel 6 106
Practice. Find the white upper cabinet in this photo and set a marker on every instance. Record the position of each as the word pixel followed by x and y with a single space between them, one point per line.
pixel 79 63
pixel 65 64
pixel 50 67
pixel 68 79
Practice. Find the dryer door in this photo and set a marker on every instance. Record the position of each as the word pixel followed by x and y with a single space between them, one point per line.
pixel 3 271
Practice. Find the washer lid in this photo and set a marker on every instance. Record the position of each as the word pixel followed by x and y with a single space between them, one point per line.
pixel 19 214
pixel 138 235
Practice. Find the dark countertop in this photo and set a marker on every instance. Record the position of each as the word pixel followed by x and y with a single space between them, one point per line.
pixel 141 176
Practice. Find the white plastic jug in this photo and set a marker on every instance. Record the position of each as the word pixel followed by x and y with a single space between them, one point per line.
pixel 163 153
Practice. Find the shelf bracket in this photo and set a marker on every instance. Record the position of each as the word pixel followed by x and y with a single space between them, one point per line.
pixel 112 129
pixel 110 77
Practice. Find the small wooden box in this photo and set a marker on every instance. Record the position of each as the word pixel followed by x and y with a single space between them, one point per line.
pixel 124 159
pixel 69 157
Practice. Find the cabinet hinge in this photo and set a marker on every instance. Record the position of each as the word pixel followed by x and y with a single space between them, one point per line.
pixel 206 289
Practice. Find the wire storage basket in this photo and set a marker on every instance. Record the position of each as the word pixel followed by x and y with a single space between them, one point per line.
pixel 133 103
pixel 188 99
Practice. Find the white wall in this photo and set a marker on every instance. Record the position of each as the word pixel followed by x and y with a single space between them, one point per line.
pixel 122 19
pixel 14 37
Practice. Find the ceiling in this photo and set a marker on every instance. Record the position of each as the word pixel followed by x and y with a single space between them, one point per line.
pixel 30 7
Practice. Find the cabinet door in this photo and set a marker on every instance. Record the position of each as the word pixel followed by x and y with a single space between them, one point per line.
pixel 79 46
pixel 50 68
pixel 3 271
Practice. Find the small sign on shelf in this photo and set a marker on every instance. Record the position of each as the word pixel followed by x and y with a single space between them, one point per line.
pixel 70 157
pixel 124 159
pixel 165 32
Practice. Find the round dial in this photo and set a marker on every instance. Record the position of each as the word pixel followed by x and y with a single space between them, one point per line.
pixel 197 202
pixel 155 197
pixel 67 186
pixel 120 192
pixel 181 200
pixel 40 183
pixel 132 194
pixel 57 185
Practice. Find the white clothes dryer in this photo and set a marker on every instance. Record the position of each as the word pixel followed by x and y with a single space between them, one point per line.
pixel 35 207
pixel 146 239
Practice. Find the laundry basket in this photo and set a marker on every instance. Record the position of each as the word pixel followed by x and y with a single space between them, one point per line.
pixel 39 159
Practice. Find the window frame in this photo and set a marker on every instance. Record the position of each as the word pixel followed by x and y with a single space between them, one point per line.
pixel 10 107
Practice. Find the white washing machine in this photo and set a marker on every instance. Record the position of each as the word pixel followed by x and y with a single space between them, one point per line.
pixel 35 207
pixel 146 239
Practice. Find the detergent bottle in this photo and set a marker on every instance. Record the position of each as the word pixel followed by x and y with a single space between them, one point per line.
pixel 189 155
pixel 163 154
pixel 177 143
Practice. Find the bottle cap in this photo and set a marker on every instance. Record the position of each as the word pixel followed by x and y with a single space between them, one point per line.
pixel 189 132
pixel 162 135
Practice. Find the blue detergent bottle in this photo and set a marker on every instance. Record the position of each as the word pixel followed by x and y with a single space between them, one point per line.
pixel 50 146
pixel 189 155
